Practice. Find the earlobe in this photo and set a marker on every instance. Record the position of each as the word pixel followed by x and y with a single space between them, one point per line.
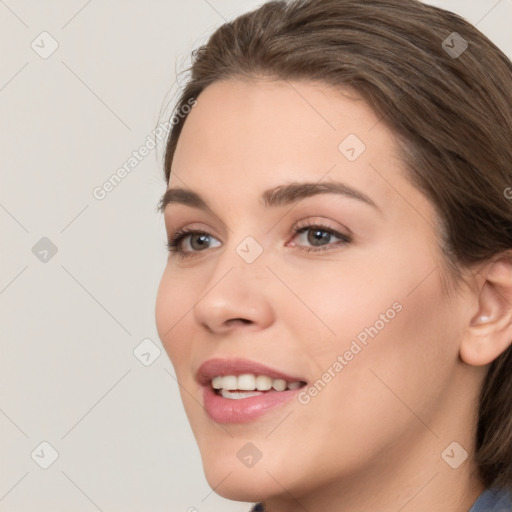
pixel 489 332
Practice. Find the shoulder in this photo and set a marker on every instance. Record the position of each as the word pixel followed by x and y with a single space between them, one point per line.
pixel 493 500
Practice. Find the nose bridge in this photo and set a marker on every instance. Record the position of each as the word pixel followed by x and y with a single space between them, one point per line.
pixel 244 246
pixel 242 265
pixel 235 289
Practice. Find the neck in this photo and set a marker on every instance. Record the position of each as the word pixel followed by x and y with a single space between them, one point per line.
pixel 435 486
pixel 409 475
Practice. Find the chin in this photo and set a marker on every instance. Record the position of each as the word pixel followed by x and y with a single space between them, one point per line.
pixel 230 478
pixel 247 485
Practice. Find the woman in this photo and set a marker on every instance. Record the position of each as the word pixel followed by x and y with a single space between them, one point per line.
pixel 337 301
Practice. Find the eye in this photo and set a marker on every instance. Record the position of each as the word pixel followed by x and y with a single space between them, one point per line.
pixel 319 237
pixel 175 244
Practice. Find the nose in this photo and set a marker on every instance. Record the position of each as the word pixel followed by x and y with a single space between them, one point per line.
pixel 235 298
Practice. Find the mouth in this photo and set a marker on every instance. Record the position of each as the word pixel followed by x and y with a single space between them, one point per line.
pixel 247 385
pixel 239 390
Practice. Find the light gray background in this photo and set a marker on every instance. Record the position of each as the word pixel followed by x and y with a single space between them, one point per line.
pixel 69 326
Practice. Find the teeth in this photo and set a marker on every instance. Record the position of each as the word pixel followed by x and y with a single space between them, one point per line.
pixel 229 382
pixel 263 383
pixel 279 384
pixel 217 382
pixel 246 382
pixel 234 395
pixel 250 382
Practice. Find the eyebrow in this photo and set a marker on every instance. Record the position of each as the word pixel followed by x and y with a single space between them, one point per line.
pixel 279 196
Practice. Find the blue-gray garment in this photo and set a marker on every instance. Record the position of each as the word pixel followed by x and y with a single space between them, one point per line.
pixel 491 500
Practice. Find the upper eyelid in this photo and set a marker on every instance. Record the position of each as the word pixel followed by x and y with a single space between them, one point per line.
pixel 304 223
pixel 307 221
pixel 323 224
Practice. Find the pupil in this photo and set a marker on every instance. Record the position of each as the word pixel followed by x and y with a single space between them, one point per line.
pixel 323 236
pixel 202 243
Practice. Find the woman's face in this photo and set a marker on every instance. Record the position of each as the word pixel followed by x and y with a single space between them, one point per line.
pixel 354 308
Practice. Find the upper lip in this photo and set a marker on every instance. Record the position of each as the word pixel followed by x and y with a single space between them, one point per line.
pixel 238 366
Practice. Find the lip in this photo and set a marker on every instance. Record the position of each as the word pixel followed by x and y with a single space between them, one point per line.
pixel 238 366
pixel 225 410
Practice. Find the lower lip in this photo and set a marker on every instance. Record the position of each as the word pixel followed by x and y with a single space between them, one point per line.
pixel 243 410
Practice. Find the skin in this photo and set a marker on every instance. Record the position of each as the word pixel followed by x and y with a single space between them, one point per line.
pixel 373 437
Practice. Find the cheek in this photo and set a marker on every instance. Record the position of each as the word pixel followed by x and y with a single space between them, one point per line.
pixel 353 291
pixel 404 365
pixel 391 325
pixel 348 294
pixel 173 302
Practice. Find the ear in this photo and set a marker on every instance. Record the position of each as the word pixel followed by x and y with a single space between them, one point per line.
pixel 489 333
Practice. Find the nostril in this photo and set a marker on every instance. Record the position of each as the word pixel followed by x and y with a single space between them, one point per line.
pixel 243 320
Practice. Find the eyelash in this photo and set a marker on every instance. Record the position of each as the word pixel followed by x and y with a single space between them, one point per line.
pixel 173 245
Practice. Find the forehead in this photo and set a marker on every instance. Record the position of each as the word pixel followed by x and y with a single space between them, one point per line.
pixel 251 135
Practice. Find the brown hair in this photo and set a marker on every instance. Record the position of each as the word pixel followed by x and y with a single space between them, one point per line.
pixel 451 112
